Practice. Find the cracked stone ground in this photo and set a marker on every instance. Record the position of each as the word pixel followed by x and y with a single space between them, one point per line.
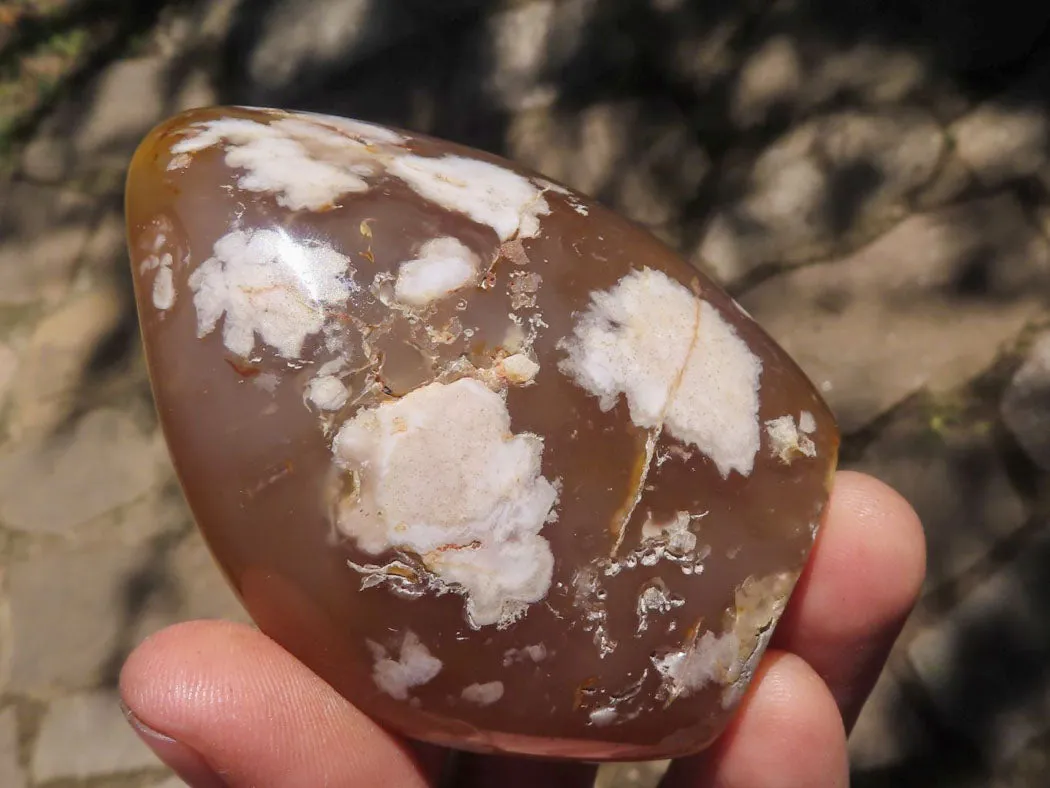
pixel 874 186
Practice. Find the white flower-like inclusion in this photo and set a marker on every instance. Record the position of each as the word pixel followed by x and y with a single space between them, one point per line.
pixel 788 439
pixel 443 266
pixel 441 476
pixel 305 164
pixel 309 161
pixel 164 279
pixel 678 363
pixel 265 283
pixel 414 666
pixel 487 193
pixel 483 694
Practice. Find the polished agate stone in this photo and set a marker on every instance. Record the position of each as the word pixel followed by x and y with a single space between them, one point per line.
pixel 490 459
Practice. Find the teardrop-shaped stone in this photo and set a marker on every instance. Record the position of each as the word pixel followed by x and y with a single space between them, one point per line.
pixel 490 459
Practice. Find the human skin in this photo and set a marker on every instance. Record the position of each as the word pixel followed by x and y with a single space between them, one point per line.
pixel 224 705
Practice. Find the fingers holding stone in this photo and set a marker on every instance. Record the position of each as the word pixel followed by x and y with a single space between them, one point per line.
pixel 219 698
pixel 861 582
pixel 787 734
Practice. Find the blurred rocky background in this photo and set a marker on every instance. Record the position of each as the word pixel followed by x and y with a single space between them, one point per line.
pixel 872 180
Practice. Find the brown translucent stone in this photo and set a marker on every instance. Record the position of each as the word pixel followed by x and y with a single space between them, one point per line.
pixel 491 460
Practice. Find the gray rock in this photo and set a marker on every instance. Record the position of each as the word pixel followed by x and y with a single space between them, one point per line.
pixel 1026 403
pixel 702 55
pixel 296 42
pixel 161 513
pixel 631 775
pixel 1030 767
pixel 776 78
pixel 638 157
pixel 6 634
pixel 54 483
pixel 85 736
pixel 92 134
pixel 8 367
pixel 57 356
pixel 296 38
pixel 70 615
pixel 1001 142
pixel 772 76
pixel 106 250
pixel 825 185
pixel 44 225
pixel 128 100
pixel 11 772
pixel 949 469
pixel 888 731
pixel 76 613
pixel 984 664
pixel 929 304
pixel 531 43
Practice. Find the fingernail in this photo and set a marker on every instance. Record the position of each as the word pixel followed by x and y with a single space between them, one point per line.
pixel 183 760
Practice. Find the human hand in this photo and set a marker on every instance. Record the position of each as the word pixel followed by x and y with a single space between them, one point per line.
pixel 223 705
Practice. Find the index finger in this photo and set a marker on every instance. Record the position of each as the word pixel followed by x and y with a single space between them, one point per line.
pixel 861 582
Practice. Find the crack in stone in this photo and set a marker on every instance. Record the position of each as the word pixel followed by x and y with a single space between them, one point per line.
pixel 625 513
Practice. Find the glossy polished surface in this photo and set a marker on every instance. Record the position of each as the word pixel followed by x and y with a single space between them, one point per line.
pixel 490 459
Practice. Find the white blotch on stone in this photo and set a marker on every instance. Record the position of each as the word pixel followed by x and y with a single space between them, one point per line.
pixel 715 407
pixel 729 658
pixel 677 361
pixel 601 718
pixel 486 193
pixel 442 476
pixel 807 423
pixel 536 653
pixel 268 284
pixel 788 440
pixel 414 666
pixel 368 133
pixel 709 660
pixel 569 196
pixel 519 368
pixel 163 283
pixel 309 161
pixel 179 162
pixel 483 694
pixel 267 381
pixel 304 164
pixel 326 392
pixel 634 340
pixel 443 266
